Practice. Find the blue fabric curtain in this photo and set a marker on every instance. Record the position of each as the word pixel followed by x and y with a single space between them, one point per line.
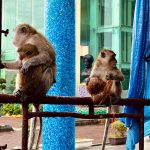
pixel 140 71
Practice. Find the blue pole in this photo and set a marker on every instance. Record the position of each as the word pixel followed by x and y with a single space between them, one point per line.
pixel 59 133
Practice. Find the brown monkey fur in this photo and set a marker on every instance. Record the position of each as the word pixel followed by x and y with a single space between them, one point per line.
pixel 31 83
pixel 26 34
pixel 105 78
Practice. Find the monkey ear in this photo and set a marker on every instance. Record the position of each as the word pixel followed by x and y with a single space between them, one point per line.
pixel 24 29
pixel 103 54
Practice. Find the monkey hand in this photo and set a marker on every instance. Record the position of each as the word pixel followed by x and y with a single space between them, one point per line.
pixel 109 76
pixel 25 68
pixel 87 81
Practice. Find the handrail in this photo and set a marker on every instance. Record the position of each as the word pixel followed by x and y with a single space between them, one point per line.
pixel 67 100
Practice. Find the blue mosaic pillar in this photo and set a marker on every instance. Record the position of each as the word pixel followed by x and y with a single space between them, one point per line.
pixel 59 133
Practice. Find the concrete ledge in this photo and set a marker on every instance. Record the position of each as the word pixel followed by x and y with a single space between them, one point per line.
pixel 82 122
pixel 83 143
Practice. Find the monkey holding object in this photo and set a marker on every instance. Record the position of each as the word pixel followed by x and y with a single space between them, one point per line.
pixel 105 78
pixel 44 57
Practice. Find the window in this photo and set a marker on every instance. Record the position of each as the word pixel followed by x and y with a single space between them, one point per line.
pixel 105 12
pixel 16 12
pixel 105 40
pixel 127 12
pixel 85 22
pixel 126 42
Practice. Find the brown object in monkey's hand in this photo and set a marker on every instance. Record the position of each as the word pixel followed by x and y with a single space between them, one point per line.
pixel 100 90
pixel 95 85
pixel 104 96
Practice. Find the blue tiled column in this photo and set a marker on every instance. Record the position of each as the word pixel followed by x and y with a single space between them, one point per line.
pixel 59 133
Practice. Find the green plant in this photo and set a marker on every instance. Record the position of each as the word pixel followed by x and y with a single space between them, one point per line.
pixel 14 109
pixel 2 84
pixel 119 130
pixel 11 109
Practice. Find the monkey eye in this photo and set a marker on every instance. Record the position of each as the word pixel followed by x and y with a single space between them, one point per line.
pixel 24 30
pixel 28 53
pixel 103 54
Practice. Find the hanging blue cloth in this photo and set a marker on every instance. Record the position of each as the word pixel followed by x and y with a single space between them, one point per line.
pixel 140 71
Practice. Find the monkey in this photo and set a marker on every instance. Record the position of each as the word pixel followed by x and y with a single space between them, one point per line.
pixel 31 83
pixel 26 34
pixel 105 78
pixel 104 83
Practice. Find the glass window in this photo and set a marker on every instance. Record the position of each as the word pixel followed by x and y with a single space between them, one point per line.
pixel 105 40
pixel 127 12
pixel 85 22
pixel 23 11
pixel 105 12
pixel 126 41
pixel 126 73
pixel 16 12
pixel 8 22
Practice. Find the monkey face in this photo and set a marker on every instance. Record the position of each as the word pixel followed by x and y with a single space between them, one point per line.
pixel 25 55
pixel 27 51
pixel 107 57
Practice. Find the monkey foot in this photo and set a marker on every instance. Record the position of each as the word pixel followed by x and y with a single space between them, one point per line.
pixel 100 99
pixel 23 97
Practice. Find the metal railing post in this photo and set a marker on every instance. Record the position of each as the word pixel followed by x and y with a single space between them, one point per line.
pixel 25 126
pixel 141 128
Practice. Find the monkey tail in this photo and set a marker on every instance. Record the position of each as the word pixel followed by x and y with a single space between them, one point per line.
pixel 39 136
pixel 32 130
